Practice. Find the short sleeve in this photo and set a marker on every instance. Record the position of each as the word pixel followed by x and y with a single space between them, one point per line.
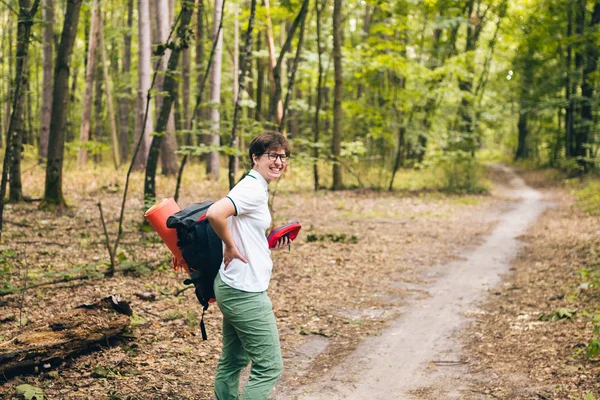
pixel 246 198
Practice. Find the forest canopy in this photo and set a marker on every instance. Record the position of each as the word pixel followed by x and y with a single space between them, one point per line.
pixel 362 88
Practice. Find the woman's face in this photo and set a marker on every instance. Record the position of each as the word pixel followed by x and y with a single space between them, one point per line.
pixel 270 164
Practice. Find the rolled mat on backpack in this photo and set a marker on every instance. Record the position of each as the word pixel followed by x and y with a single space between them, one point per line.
pixel 157 217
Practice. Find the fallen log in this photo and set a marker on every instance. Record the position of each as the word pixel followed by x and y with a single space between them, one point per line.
pixel 71 333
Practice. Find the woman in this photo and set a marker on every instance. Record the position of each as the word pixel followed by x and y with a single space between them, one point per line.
pixel 241 220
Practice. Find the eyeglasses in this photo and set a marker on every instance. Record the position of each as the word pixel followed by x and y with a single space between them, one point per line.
pixel 273 157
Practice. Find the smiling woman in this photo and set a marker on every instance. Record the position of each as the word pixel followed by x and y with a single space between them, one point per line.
pixel 240 219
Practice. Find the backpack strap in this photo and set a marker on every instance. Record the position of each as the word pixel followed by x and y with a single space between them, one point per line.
pixel 202 326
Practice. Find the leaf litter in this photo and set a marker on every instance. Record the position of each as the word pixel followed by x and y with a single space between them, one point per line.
pixel 373 253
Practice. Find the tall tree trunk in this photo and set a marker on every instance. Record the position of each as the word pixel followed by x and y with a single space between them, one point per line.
pixel 292 75
pixel 14 136
pixel 260 80
pixel 579 148
pixel 587 87
pixel 569 109
pixel 200 68
pixel 53 194
pixel 109 101
pixel 169 88
pixel 168 156
pixel 213 165
pixel 97 131
pixel 47 40
pixel 84 132
pixel 143 94
pixel 319 6
pixel 275 105
pixel 124 100
pixel 272 58
pixel 245 66
pixel 336 141
pixel 234 159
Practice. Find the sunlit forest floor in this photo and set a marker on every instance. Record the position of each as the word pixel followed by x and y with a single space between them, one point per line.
pixel 360 255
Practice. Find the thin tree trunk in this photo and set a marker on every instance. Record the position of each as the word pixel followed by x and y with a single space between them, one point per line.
pixel 109 101
pixel 84 132
pixel 336 140
pixel 245 64
pixel 97 131
pixel 47 38
pixel 213 165
pixel 275 106
pixel 200 68
pixel 169 144
pixel 124 101
pixel 14 136
pixel 568 87
pixel 233 169
pixel 579 149
pixel 144 53
pixel 53 194
pixel 292 75
pixel 320 51
pixel 260 81
pixel 169 87
pixel 272 57
pixel 587 87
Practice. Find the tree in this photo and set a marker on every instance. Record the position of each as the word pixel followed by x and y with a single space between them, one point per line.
pixel 53 195
pixel 143 93
pixel 124 100
pixel 213 165
pixel 587 89
pixel 169 144
pixel 336 140
pixel 84 133
pixel 245 66
pixel 169 88
pixel 47 41
pixel 13 145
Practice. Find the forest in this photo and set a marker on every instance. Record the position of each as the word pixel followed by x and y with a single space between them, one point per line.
pixel 396 111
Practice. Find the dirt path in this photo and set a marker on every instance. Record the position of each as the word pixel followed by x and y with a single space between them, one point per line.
pixel 418 355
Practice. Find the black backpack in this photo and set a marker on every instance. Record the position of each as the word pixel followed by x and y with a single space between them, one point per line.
pixel 201 249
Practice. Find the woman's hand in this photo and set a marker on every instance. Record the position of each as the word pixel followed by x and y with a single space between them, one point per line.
pixel 230 253
pixel 283 242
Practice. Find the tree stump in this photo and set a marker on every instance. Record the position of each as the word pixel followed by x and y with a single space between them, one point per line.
pixel 69 334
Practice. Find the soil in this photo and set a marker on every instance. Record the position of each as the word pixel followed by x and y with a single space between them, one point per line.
pixel 361 262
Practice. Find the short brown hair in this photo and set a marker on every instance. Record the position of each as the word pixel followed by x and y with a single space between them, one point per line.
pixel 266 141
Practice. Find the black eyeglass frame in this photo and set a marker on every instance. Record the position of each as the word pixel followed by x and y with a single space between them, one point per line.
pixel 285 158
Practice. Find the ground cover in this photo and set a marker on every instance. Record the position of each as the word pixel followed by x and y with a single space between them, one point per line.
pixel 341 281
pixel 531 340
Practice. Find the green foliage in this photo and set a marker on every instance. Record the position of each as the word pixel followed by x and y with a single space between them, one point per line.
pixel 29 392
pixel 331 237
pixel 560 313
pixel 137 320
pixel 588 197
pixel 458 171
pixel 7 260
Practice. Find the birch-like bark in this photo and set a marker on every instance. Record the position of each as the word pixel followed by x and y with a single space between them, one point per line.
pixel 84 131
pixel 213 164
pixel 109 101
pixel 47 39
pixel 144 53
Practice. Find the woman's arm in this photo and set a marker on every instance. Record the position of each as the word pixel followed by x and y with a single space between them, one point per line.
pixel 217 215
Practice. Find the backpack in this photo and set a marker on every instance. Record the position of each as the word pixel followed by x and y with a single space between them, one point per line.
pixel 202 251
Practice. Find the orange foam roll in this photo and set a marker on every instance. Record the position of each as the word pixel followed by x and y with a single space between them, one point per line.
pixel 157 217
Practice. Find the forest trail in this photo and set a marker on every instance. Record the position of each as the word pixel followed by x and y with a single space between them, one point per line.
pixel 418 356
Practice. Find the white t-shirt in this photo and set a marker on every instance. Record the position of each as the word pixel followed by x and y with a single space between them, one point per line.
pixel 248 226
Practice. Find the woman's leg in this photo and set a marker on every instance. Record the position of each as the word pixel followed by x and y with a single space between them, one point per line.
pixel 258 334
pixel 233 356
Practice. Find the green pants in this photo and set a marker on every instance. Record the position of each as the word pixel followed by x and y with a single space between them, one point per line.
pixel 249 334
